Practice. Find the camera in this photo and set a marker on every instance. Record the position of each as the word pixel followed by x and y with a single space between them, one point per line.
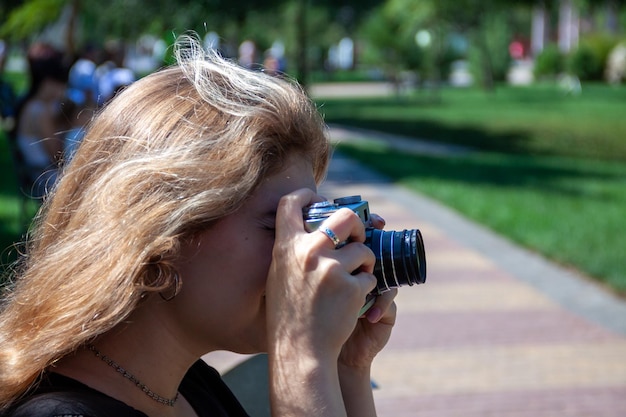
pixel 400 255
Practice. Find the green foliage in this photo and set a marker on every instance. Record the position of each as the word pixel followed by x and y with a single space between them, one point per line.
pixel 12 224
pixel 488 54
pixel 489 24
pixel 389 36
pixel 18 80
pixel 30 18
pixel 584 64
pixel 549 63
pixel 588 61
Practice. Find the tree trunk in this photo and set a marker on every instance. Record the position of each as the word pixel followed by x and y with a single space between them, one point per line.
pixel 538 31
pixel 568 25
pixel 70 34
pixel 303 36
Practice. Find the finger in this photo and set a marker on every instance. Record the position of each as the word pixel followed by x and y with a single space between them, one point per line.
pixel 383 308
pixel 377 221
pixel 289 211
pixel 345 225
pixel 366 281
pixel 356 257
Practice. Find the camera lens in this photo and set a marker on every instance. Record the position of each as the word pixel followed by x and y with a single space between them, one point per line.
pixel 400 257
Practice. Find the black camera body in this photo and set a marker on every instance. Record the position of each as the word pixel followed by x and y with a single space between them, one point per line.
pixel 400 255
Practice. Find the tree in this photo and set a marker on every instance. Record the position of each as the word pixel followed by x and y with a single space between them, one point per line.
pixel 487 24
pixel 389 32
pixel 27 19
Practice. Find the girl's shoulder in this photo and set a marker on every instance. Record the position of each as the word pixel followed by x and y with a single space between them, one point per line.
pixel 60 396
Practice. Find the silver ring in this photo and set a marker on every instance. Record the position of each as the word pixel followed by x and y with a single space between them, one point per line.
pixel 331 235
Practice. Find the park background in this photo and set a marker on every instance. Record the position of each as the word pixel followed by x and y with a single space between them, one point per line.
pixel 533 90
pixel 517 112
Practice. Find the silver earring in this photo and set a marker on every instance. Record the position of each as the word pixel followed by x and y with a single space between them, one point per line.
pixel 177 286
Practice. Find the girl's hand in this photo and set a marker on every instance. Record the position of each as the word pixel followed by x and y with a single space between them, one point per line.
pixel 314 291
pixel 373 330
pixel 313 295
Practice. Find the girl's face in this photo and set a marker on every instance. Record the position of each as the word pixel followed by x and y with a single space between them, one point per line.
pixel 221 304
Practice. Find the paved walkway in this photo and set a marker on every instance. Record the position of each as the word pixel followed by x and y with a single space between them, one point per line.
pixel 496 330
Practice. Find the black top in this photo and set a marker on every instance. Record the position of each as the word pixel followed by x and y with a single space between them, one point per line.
pixel 60 396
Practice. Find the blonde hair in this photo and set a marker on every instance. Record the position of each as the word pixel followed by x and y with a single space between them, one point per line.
pixel 171 154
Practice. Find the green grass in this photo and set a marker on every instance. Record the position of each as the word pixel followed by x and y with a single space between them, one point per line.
pixel 550 172
pixel 537 120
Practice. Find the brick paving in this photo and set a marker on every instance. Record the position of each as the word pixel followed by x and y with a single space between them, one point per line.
pixel 495 331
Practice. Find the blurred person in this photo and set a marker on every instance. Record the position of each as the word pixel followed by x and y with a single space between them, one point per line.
pixel 112 75
pixel 39 126
pixel 176 230
pixel 247 54
pixel 82 82
pixel 81 98
pixel 271 65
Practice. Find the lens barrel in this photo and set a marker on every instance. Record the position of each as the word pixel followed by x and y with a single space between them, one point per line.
pixel 400 257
